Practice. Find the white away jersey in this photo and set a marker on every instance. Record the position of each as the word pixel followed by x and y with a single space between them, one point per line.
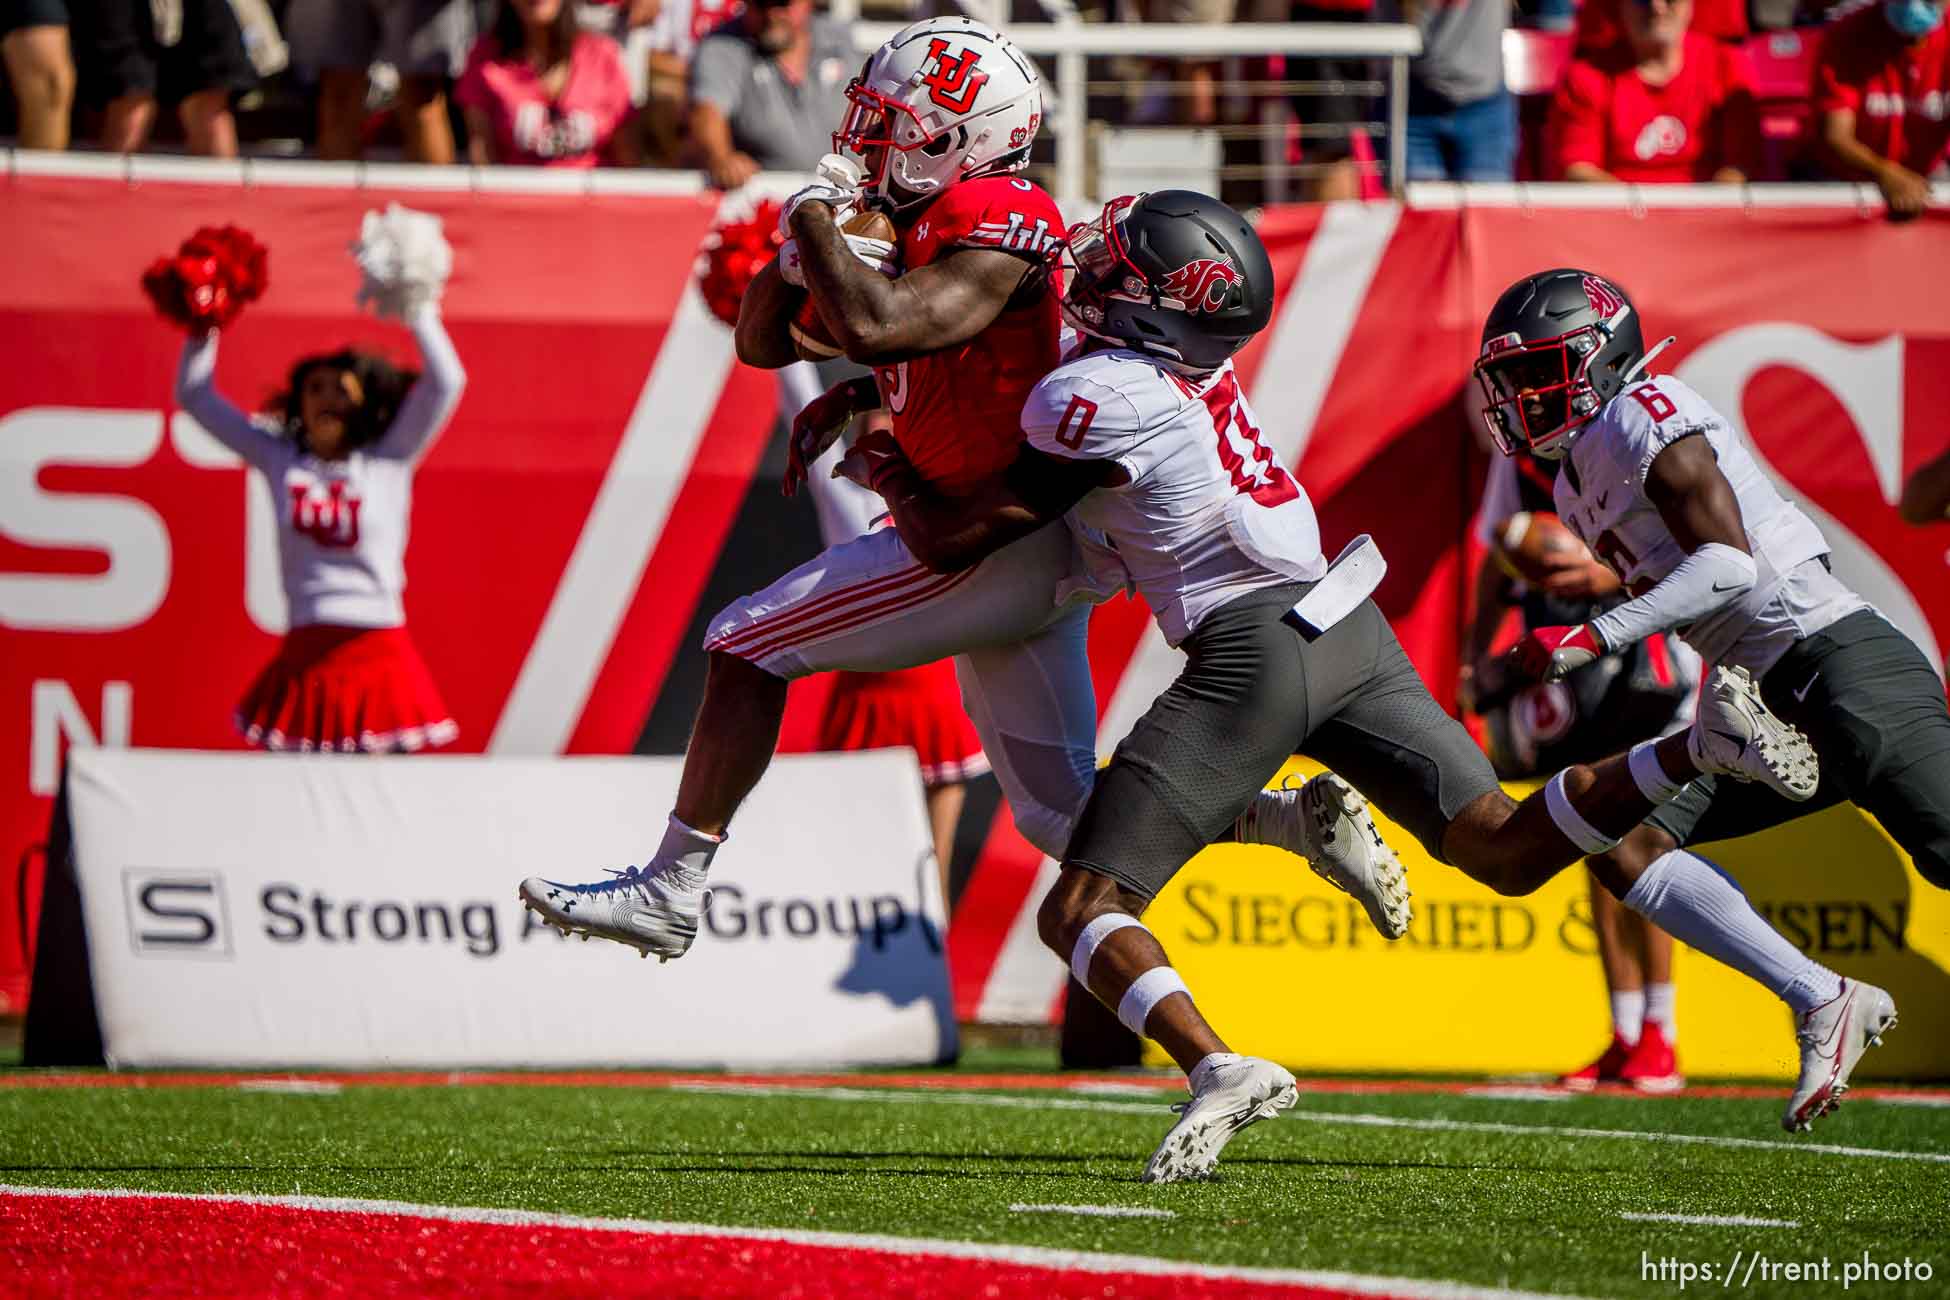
pixel 1600 494
pixel 341 524
pixel 1209 513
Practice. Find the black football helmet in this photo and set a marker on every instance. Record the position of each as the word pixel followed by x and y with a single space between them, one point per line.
pixel 1557 346
pixel 1178 275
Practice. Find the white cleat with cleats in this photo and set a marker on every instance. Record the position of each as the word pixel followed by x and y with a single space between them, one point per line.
pixel 1736 735
pixel 1832 1038
pixel 1230 1096
pixel 651 911
pixel 1326 821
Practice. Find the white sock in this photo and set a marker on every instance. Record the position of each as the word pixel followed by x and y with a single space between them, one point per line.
pixel 1208 1063
pixel 1697 903
pixel 1628 1013
pixel 1659 1006
pixel 686 853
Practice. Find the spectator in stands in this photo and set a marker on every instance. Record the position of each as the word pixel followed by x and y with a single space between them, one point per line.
pixel 1598 22
pixel 1599 709
pixel 1462 122
pixel 1336 174
pixel 680 25
pixel 1879 89
pixel 334 42
pixel 34 42
pixel 134 54
pixel 540 91
pixel 1664 105
pixel 1926 493
pixel 768 90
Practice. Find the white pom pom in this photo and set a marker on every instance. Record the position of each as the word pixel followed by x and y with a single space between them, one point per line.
pixel 405 260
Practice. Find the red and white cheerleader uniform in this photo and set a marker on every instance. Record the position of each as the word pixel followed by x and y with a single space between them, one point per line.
pixel 915 707
pixel 347 677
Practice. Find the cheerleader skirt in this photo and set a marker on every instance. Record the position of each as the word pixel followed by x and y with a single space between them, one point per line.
pixel 916 707
pixel 345 690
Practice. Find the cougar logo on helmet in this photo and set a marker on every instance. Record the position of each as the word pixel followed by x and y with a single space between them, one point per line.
pixel 1201 285
pixel 954 80
pixel 1604 299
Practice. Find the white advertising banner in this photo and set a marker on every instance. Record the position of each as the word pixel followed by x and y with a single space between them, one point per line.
pixel 255 911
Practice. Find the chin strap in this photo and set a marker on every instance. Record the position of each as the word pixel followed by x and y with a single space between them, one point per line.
pixel 1639 367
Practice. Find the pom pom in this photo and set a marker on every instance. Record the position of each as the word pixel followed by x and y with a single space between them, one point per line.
pixel 212 276
pixel 405 259
pixel 733 254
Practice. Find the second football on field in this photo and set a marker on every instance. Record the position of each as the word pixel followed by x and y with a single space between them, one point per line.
pixel 810 337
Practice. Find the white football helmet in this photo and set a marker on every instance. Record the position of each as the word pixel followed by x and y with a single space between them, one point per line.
pixel 945 100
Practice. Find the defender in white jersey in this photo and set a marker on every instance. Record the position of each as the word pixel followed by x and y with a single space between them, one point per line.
pixel 1657 483
pixel 1146 436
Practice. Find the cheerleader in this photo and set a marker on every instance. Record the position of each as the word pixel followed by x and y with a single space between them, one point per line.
pixel 338 447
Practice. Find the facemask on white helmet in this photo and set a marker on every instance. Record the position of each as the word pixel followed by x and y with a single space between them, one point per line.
pixel 945 100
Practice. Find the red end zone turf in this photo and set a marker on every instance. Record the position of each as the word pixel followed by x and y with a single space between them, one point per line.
pixel 124 1244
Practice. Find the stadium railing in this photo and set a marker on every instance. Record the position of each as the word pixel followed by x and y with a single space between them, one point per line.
pixel 1070 43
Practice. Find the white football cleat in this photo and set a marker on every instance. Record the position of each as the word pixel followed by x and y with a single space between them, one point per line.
pixel 1326 822
pixel 650 911
pixel 1736 735
pixel 1232 1095
pixel 1833 1037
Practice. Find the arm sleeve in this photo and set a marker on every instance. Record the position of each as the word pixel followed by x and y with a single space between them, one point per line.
pixel 196 392
pixel 431 401
pixel 1713 576
pixel 616 91
pixel 719 72
pixel 1577 119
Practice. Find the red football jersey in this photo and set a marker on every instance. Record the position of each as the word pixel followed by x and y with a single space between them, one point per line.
pixel 1703 119
pixel 958 412
pixel 1898 91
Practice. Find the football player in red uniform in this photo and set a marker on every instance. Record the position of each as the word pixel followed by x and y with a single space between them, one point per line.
pixel 959 322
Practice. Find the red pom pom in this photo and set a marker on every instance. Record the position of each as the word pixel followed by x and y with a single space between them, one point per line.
pixel 732 255
pixel 214 273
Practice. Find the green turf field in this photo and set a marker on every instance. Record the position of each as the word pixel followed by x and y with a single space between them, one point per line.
pixel 1397 1191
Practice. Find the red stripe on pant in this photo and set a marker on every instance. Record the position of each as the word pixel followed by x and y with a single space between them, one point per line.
pixel 769 624
pixel 856 619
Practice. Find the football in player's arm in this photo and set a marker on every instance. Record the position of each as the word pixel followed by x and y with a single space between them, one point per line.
pixel 1693 497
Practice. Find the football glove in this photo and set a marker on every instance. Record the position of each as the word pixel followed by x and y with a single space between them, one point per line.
pixel 837 185
pixel 878 254
pixel 1549 653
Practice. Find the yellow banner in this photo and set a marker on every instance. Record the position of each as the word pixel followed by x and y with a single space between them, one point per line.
pixel 1288 968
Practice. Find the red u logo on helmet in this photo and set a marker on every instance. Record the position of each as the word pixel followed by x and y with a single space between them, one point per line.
pixel 953 81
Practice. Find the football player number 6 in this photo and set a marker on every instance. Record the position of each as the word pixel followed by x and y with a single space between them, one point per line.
pixel 1656 404
pixel 893 386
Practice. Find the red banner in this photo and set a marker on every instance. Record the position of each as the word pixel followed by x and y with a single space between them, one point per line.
pixel 574 527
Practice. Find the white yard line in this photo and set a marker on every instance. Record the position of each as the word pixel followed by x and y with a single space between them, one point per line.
pixel 1097 1211
pixel 1081 1261
pixel 292 1087
pixel 1157 1111
pixel 1710 1220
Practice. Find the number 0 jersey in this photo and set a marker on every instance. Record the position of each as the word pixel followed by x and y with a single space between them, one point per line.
pixel 1600 494
pixel 955 409
pixel 1209 513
